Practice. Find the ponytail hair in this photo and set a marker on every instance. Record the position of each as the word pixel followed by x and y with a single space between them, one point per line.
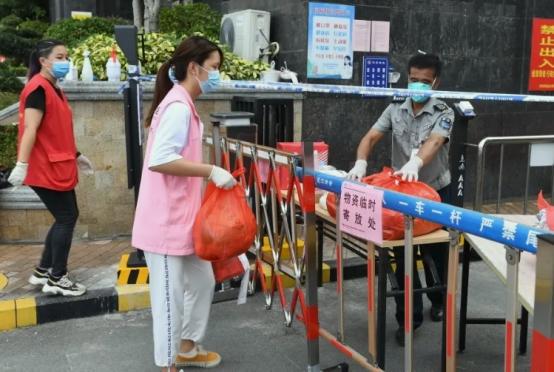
pixel 163 86
pixel 193 49
pixel 42 49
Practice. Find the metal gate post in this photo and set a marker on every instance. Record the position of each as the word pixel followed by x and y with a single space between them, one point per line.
pixel 451 287
pixel 542 359
pixel 408 292
pixel 340 273
pixel 512 272
pixel 371 325
pixel 312 316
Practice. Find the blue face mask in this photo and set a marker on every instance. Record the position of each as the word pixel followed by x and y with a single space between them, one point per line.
pixel 207 86
pixel 60 69
pixel 419 86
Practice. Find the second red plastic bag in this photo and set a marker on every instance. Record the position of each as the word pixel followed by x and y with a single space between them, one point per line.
pixel 393 222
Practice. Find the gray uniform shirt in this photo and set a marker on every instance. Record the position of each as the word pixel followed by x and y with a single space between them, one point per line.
pixel 409 132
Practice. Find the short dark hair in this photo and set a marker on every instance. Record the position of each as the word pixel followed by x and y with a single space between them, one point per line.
pixel 421 61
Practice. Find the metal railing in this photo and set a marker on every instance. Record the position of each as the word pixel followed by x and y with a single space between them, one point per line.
pixel 502 141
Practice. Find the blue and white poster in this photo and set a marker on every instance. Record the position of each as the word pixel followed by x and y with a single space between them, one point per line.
pixel 376 72
pixel 330 41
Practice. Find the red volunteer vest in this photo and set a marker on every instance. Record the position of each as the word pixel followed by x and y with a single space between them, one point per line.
pixel 52 162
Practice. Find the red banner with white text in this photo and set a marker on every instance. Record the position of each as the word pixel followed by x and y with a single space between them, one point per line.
pixel 541 66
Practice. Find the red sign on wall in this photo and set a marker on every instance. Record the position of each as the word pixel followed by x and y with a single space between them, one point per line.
pixel 541 67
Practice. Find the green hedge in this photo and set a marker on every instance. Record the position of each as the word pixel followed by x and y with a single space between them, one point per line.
pixel 8 145
pixel 8 80
pixel 7 99
pixel 158 48
pixel 18 37
pixel 190 18
pixel 8 134
pixel 24 9
pixel 72 31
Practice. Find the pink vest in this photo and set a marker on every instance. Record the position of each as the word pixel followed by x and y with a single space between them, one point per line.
pixel 167 205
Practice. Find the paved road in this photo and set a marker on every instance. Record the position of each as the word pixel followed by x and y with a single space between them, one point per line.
pixel 251 338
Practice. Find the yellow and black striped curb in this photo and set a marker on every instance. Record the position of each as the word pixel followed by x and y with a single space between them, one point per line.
pixel 131 275
pixel 3 281
pixel 29 311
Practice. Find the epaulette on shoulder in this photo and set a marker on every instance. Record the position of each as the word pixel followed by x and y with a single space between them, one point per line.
pixel 398 99
pixel 441 106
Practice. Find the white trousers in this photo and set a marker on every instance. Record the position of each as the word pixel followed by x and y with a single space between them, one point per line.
pixel 181 294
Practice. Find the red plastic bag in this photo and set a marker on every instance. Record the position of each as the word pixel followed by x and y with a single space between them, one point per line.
pixel 225 226
pixel 228 269
pixel 549 210
pixel 393 222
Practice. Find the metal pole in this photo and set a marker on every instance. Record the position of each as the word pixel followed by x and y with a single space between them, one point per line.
pixel 340 274
pixel 479 178
pixel 382 304
pixel 217 142
pixel 408 292
pixel 466 252
pixel 542 359
pixel 512 259
pixel 499 184
pixel 451 286
pixel 312 321
pixel 371 342
pixel 527 174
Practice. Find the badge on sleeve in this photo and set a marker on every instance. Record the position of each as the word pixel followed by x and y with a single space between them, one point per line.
pixel 446 123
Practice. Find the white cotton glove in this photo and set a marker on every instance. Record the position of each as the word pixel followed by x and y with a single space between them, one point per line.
pixel 410 170
pixel 18 174
pixel 358 170
pixel 85 165
pixel 221 178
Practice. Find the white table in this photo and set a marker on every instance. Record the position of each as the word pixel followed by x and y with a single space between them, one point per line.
pixel 494 255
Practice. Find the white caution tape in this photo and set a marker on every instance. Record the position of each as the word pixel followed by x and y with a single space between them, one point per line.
pixel 242 85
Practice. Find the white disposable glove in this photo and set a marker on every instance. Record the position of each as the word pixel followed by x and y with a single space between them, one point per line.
pixel 85 165
pixel 358 170
pixel 410 170
pixel 221 178
pixel 18 174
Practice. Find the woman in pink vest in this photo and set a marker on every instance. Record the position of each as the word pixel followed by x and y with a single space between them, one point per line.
pixel 181 284
pixel 47 161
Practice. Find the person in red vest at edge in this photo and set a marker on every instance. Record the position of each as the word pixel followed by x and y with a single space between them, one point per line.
pixel 47 161
pixel 421 128
pixel 181 284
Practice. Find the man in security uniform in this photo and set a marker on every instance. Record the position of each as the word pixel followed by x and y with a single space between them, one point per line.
pixel 421 127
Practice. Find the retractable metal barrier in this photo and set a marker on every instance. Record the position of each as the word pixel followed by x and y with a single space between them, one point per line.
pixel 281 229
pixel 514 236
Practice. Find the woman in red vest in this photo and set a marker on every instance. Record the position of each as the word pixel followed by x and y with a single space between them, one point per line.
pixel 47 161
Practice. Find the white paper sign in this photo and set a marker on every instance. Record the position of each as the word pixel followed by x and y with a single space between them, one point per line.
pixel 542 155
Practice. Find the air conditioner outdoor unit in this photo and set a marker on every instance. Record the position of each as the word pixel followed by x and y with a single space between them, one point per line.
pixel 246 32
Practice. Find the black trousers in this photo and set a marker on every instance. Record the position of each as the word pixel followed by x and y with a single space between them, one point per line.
pixel 438 253
pixel 63 206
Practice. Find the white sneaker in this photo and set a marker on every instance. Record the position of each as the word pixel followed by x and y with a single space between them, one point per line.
pixel 63 286
pixel 37 278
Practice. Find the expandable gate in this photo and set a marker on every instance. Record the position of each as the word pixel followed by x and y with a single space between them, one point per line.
pixel 275 207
